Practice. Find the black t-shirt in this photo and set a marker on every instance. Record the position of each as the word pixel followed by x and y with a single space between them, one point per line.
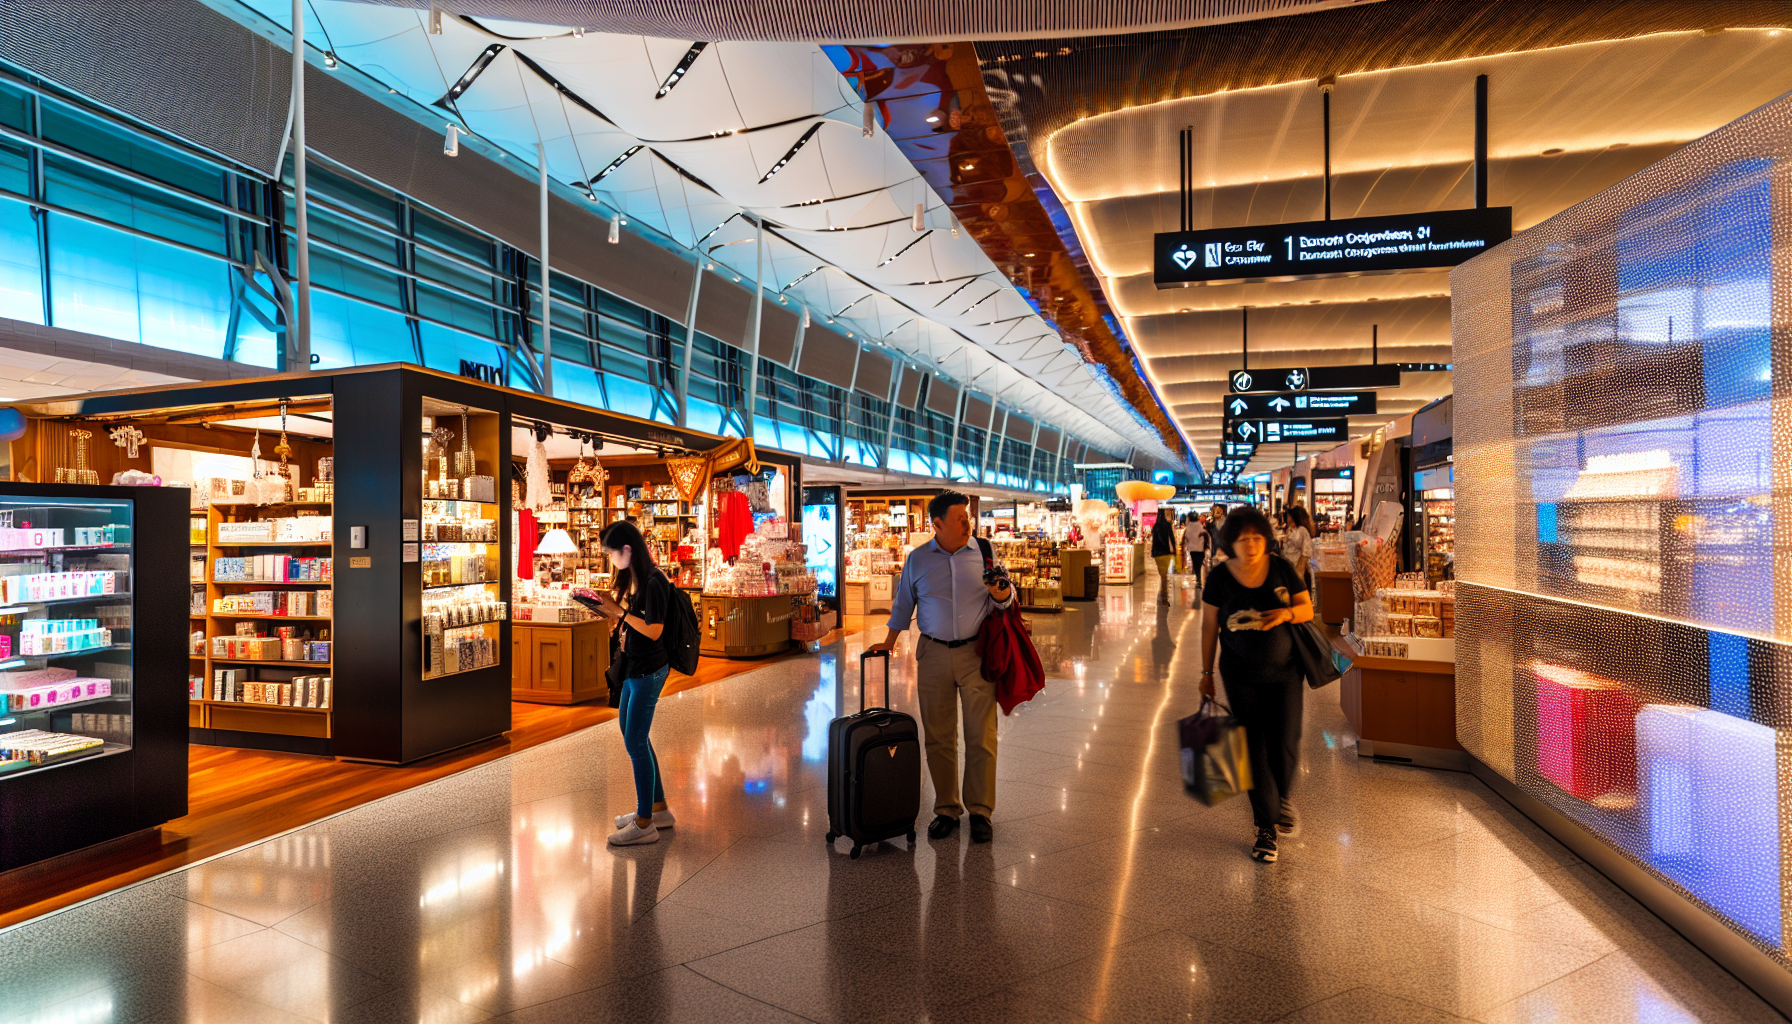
pixel 640 654
pixel 1255 653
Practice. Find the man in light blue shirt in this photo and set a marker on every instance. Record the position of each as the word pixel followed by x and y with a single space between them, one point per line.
pixel 942 590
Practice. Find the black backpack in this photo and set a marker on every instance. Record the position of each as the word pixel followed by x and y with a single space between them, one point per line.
pixel 682 636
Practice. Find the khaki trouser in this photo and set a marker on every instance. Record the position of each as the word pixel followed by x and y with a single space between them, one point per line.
pixel 946 677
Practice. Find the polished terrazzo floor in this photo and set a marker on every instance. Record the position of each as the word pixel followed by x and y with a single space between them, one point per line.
pixel 1108 895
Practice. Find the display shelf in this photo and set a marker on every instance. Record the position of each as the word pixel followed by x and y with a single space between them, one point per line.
pixel 276 664
pixel 451 586
pixel 71 600
pixel 64 549
pixel 273 544
pixel 110 698
pixel 268 618
pixel 272 583
pixel 71 654
pixel 12 770
pixel 260 707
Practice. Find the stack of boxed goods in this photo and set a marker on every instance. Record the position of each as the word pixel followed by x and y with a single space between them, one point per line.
pixel 270 648
pixel 272 569
pixel 29 539
pixel 298 603
pixel 47 687
pixel 61 636
pixel 229 687
pixel 29 747
pixel 55 586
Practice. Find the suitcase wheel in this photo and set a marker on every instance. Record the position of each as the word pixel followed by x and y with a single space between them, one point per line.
pixel 832 836
pixel 855 851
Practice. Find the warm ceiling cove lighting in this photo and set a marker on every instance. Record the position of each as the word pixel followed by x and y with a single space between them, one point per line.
pixel 791 154
pixel 618 162
pixel 678 73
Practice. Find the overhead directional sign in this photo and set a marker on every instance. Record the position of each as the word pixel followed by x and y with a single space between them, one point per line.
pixel 1359 245
pixel 1333 429
pixel 1315 378
pixel 1286 405
pixel 1236 448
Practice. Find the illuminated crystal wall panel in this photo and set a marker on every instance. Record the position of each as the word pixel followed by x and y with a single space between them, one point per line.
pixel 1623 440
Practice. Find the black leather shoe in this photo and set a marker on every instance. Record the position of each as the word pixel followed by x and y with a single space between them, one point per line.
pixel 941 826
pixel 981 832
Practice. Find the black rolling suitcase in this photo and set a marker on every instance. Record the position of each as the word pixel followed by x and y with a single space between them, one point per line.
pixel 874 770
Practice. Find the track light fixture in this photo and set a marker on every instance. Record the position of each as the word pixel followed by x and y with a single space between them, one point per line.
pixel 919 221
pixel 577 32
pixel 870 129
pixel 435 19
pixel 615 230
pixel 451 144
pixel 805 317
pixel 330 60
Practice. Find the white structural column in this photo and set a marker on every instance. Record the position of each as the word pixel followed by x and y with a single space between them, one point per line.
pixel 547 336
pixel 758 315
pixel 300 342
pixel 690 344
pixel 890 425
pixel 992 439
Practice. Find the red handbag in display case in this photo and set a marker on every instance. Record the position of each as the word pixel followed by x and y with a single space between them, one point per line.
pixel 1586 733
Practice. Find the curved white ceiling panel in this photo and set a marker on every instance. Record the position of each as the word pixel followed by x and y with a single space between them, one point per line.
pixel 745 132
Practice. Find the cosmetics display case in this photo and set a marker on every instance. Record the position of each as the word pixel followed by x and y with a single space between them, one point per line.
pixel 93 740
pixel 1624 636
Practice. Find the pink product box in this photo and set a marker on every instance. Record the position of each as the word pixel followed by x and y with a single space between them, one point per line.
pixel 14 540
pixel 66 692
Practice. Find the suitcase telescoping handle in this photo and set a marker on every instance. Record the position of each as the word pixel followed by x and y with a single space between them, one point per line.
pixel 865 657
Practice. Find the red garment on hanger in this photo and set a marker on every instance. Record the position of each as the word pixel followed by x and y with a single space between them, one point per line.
pixel 528 537
pixel 736 522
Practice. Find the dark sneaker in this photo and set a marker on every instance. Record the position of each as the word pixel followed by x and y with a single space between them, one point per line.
pixel 981 832
pixel 941 826
pixel 1265 850
pixel 1288 825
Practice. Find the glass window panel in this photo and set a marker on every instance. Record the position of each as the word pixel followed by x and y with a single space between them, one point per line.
pixel 572 347
pixel 21 278
pixel 464 313
pixel 15 107
pixel 109 283
pixel 345 332
pixel 15 168
pixel 352 277
pixel 704 416
pixel 140 152
pixel 629 396
pixel 577 383
pixel 121 202
pixel 443 349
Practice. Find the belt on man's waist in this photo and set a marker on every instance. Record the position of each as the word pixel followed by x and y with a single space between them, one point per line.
pixel 950 643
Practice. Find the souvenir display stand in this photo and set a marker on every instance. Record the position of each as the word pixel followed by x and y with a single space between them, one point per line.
pixel 93 742
pixel 757 580
pixel 1035 566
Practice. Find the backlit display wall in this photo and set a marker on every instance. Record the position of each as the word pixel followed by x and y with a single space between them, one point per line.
pixel 1622 474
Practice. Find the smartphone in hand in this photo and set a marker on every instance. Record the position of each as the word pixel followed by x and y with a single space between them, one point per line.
pixel 593 600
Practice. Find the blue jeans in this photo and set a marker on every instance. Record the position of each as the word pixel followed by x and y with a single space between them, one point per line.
pixel 640 696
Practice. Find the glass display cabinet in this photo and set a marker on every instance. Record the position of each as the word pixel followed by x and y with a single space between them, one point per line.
pixel 92 731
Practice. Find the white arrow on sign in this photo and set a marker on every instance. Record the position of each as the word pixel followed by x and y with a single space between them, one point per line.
pixel 1279 403
pixel 1239 406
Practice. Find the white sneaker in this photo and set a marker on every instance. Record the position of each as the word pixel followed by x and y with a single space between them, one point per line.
pixel 661 819
pixel 635 835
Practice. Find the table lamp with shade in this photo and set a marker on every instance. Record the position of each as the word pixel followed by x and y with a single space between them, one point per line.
pixel 557 542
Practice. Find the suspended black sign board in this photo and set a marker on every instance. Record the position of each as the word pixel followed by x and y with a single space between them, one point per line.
pixel 1314 378
pixel 1235 448
pixel 1335 429
pixel 1287 405
pixel 1316 248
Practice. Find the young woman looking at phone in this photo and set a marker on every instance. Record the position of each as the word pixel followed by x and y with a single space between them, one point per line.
pixel 638 607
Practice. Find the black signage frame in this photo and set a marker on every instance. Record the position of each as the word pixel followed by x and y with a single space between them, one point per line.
pixel 1362 377
pixel 1322 248
pixel 1318 430
pixel 1298 405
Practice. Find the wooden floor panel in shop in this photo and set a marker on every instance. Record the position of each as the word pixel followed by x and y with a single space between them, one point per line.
pixel 242 796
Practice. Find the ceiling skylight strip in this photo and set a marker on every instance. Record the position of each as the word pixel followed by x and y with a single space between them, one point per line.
pixel 787 157
pixel 898 254
pixel 678 73
pixel 618 162
pixel 468 77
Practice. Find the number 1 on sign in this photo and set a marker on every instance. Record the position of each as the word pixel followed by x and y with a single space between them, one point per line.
pixel 1289 241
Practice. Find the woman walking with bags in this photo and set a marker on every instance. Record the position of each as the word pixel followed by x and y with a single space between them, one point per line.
pixel 1248 609
pixel 639 609
pixel 1297 543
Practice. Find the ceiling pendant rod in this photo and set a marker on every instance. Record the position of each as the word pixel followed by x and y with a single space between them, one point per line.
pixel 1326 85
pixel 1480 142
pixel 1374 344
pixel 1244 337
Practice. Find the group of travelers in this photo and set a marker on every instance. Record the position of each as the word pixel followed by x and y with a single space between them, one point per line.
pixel 1253 579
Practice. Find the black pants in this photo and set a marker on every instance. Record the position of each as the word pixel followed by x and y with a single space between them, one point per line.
pixel 1270 710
